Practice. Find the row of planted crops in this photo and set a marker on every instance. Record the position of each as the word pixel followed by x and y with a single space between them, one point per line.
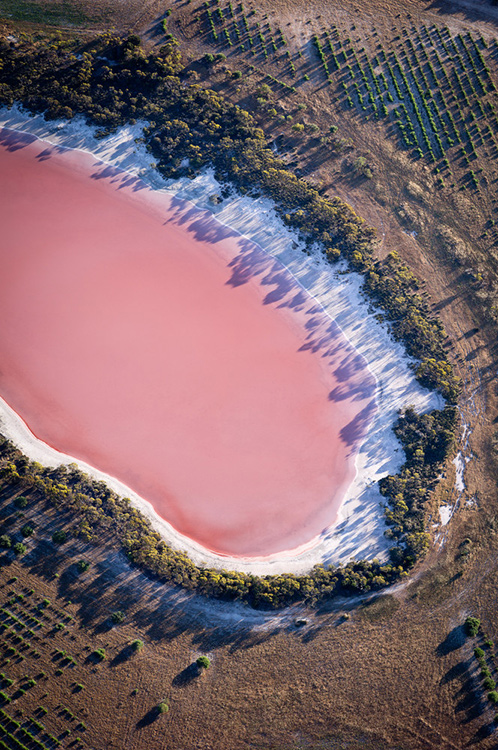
pixel 435 90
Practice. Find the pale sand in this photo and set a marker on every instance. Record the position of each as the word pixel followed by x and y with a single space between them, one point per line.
pixel 359 531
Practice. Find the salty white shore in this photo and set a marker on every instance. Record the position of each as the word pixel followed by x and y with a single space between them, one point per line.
pixel 359 531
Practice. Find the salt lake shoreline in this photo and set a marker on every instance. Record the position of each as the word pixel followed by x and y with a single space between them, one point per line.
pixel 358 532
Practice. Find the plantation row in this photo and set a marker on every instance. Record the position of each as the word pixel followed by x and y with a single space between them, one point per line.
pixel 18 613
pixel 436 90
pixel 485 658
pixel 230 25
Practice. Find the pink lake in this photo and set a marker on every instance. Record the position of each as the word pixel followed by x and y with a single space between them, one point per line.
pixel 142 336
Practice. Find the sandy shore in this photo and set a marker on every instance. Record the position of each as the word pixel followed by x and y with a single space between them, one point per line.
pixel 359 531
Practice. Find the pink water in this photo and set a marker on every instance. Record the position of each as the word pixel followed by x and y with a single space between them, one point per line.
pixel 143 337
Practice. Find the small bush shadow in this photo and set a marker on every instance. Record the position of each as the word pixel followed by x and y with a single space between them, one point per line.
pixel 125 654
pixel 149 718
pixel 186 675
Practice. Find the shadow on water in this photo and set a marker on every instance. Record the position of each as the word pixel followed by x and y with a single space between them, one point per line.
pixel 13 140
pixel 118 178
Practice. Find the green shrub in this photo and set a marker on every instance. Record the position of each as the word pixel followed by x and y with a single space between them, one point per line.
pixel 27 530
pixel 19 548
pixel 478 652
pixel 82 566
pixel 118 617
pixel 5 541
pixel 21 501
pixel 493 696
pixel 162 708
pixel 472 625
pixel 100 654
pixel 59 536
pixel 203 662
pixel 489 683
pixel 137 645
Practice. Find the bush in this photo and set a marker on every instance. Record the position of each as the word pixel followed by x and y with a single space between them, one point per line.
pixel 472 625
pixel 27 530
pixel 21 502
pixel 5 541
pixel 118 617
pixel 493 696
pixel 19 548
pixel 489 683
pixel 203 662
pixel 100 654
pixel 82 566
pixel 137 645
pixel 478 652
pixel 162 708
pixel 59 536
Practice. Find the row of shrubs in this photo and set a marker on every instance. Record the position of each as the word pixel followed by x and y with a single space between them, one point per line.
pixel 112 81
pixel 472 628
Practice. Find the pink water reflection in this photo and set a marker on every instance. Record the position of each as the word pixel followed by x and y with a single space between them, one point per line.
pixel 143 337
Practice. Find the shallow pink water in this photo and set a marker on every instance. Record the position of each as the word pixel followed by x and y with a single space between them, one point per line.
pixel 140 335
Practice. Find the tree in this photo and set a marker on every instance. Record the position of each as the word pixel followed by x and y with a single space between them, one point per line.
pixel 203 662
pixel 19 548
pixel 472 625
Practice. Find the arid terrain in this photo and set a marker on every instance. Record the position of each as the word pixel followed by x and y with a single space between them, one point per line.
pixel 394 670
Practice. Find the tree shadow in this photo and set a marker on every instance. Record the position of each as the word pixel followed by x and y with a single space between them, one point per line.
pixel 482 733
pixel 125 654
pixel 149 718
pixel 453 641
pixel 458 671
pixel 186 675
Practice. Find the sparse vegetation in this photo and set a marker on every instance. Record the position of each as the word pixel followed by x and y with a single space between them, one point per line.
pixel 203 662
